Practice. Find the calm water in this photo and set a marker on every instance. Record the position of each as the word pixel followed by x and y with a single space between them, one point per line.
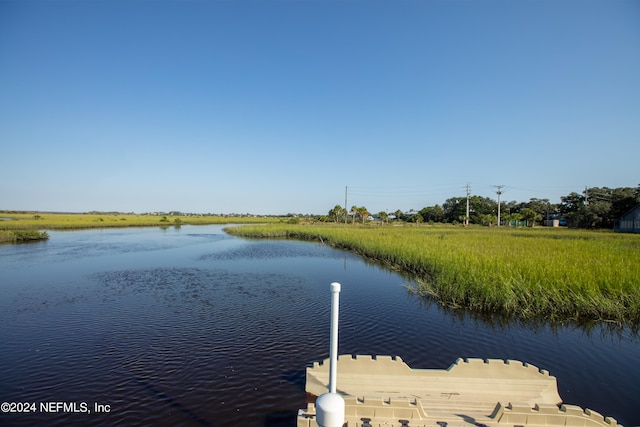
pixel 192 327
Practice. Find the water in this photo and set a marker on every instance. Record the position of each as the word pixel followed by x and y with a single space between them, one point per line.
pixel 193 327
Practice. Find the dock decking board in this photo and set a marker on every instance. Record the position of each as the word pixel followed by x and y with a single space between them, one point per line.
pixel 471 392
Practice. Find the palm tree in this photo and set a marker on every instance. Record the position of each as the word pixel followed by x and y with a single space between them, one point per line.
pixel 516 217
pixel 383 217
pixel 337 213
pixel 354 212
pixel 529 214
pixel 363 213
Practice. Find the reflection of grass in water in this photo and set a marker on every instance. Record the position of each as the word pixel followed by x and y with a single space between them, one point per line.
pixel 557 274
pixel 266 250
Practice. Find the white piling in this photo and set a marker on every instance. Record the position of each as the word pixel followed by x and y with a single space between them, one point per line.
pixel 330 406
pixel 333 349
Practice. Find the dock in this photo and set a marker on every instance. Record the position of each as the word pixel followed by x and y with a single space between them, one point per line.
pixel 385 391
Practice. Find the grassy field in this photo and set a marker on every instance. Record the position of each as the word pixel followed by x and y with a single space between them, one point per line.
pixel 19 227
pixel 556 274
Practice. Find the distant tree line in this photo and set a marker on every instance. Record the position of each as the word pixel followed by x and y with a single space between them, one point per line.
pixel 596 207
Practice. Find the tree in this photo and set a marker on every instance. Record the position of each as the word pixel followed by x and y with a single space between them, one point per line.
pixel 511 207
pixel 363 213
pixel 540 206
pixel 353 213
pixel 516 218
pixel 338 213
pixel 432 214
pixel 623 200
pixel 530 215
pixel 456 208
pixel 383 216
pixel 598 207
pixel 597 215
pixel 572 207
pixel 486 219
pixel 571 202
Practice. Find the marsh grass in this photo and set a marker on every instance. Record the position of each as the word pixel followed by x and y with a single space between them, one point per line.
pixel 56 221
pixel 556 274
pixel 15 236
pixel 23 227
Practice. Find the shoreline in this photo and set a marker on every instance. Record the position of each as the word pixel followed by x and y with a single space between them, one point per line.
pixel 557 275
pixel 24 227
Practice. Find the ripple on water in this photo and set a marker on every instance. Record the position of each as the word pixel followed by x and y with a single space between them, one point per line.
pixel 263 250
pixel 177 338
pixel 190 346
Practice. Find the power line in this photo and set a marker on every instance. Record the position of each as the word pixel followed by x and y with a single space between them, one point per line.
pixel 428 193
pixel 405 191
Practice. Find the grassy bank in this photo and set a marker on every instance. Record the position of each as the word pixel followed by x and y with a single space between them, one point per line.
pixel 58 221
pixel 22 227
pixel 18 236
pixel 553 273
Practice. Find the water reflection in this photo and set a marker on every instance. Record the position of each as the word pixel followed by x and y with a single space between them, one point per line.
pixel 602 329
pixel 193 327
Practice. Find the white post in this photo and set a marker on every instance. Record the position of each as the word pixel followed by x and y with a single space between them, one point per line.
pixel 333 349
pixel 330 406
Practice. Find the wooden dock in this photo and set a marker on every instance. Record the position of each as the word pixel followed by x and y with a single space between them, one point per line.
pixel 385 391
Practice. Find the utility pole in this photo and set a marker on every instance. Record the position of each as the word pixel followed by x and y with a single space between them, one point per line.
pixel 346 189
pixel 586 196
pixel 466 218
pixel 499 187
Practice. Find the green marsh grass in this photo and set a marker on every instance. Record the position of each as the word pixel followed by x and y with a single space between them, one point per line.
pixel 22 227
pixel 15 236
pixel 59 221
pixel 556 274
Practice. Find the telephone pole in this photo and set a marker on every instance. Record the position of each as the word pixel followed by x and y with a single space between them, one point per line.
pixel 346 189
pixel 586 196
pixel 499 187
pixel 466 218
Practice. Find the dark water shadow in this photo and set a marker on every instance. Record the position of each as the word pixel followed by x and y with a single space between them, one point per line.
pixel 170 401
pixel 297 378
pixel 498 321
pixel 281 419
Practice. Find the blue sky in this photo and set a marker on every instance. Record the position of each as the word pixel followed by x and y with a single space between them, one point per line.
pixel 271 107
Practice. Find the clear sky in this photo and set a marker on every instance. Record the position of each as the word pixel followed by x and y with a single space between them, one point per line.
pixel 271 107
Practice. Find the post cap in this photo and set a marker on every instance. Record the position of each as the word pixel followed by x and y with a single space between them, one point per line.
pixel 330 410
